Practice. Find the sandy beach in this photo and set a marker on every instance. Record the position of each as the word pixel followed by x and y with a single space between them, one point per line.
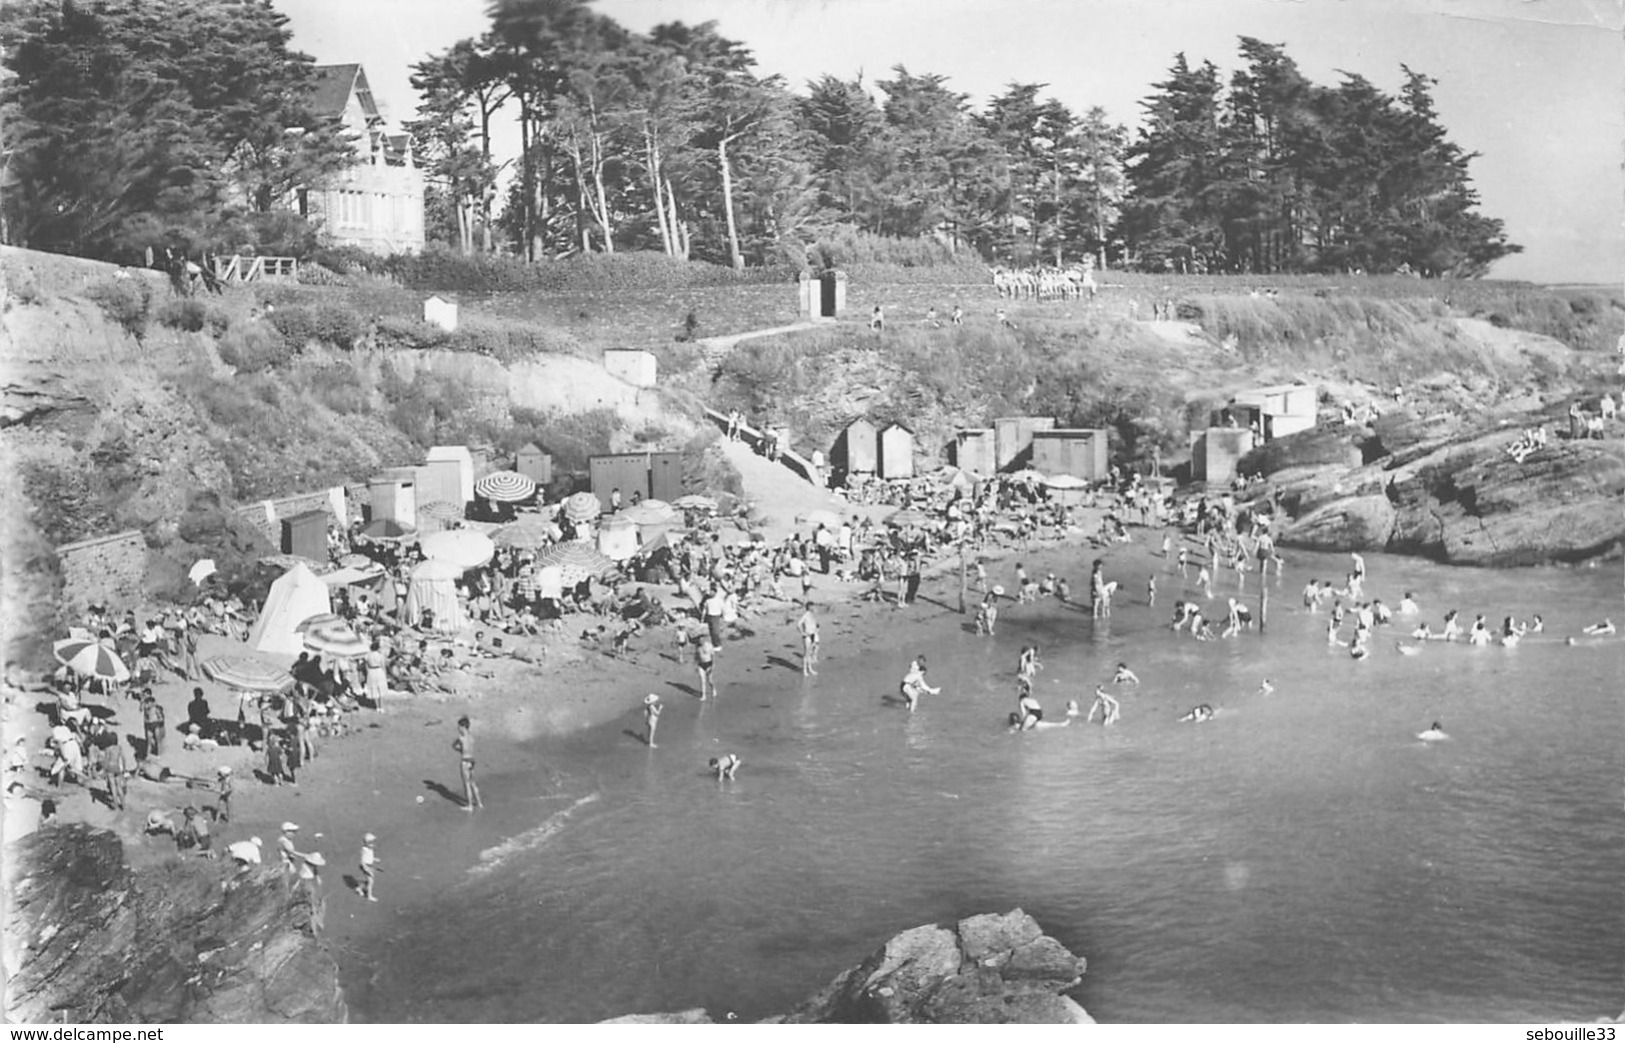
pixel 396 774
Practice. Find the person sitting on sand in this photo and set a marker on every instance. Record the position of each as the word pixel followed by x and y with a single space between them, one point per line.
pixel 1602 629
pixel 725 766
pixel 913 685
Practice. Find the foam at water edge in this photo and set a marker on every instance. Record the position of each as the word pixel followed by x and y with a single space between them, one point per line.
pixel 493 858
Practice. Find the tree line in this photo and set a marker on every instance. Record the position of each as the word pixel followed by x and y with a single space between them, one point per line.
pixel 126 124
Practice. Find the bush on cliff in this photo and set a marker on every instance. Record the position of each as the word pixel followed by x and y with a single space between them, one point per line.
pixel 323 322
pixel 126 302
pixel 254 348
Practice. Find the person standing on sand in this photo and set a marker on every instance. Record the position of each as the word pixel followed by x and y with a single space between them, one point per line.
pixel 651 718
pixel 369 866
pixel 705 658
pixel 464 745
pixel 808 626
pixel 377 679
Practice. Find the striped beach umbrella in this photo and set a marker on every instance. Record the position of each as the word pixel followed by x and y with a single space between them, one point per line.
pixel 505 487
pixel 530 531
pixel 464 547
pixel 908 517
pixel 694 502
pixel 1065 481
pixel 576 561
pixel 441 510
pixel 336 640
pixel 320 619
pixel 581 507
pixel 90 659
pixel 247 674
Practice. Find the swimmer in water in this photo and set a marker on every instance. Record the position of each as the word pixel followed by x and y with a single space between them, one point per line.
pixel 1405 649
pixel 1452 629
pixel 1198 714
pixel 1124 675
pixel 1358 649
pixel 1537 626
pixel 1030 716
pixel 1266 687
pixel 1602 629
pixel 725 766
pixel 1331 632
pixel 1106 703
pixel 1423 633
pixel 1407 605
pixel 1433 734
pixel 1027 665
pixel 1479 634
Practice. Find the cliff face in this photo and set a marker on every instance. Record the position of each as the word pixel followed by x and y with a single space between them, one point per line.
pixel 1446 487
pixel 985 970
pixel 90 940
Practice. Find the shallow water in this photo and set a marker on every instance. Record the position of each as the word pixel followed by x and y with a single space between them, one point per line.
pixel 1302 857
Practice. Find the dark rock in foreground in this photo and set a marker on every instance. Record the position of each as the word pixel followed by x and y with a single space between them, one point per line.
pixel 89 940
pixel 988 969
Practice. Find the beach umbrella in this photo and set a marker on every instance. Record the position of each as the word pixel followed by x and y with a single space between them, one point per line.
pixel 320 619
pixel 908 517
pixel 1028 475
pixel 580 507
pixel 575 561
pixel 1065 481
pixel 385 529
pixel 440 510
pixel 530 531
pixel 201 570
pixel 651 512
pixel 437 569
pixel 815 518
pixel 464 547
pixel 505 487
pixel 247 674
pixel 694 502
pixel 336 640
pixel 90 659
pixel 355 561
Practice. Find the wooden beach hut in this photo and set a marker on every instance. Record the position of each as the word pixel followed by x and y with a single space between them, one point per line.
pixel 895 452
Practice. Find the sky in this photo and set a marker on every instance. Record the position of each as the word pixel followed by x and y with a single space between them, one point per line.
pixel 1536 86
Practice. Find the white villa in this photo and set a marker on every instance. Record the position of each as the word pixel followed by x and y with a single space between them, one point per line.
pixel 377 204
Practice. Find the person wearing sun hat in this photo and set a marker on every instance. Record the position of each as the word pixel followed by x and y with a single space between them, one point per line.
pixel 222 805
pixel 651 716
pixel 284 843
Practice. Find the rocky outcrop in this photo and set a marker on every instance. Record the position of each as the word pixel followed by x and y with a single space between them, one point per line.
pixel 90 940
pixel 1441 488
pixel 989 969
pixel 993 969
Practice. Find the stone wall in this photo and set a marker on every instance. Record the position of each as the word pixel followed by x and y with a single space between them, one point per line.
pixel 103 570
pixel 269 523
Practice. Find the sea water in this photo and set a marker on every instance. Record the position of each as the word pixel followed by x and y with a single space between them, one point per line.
pixel 1301 857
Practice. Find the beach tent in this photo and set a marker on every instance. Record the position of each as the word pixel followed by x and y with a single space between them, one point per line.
pixel 618 539
pixel 432 587
pixel 296 595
